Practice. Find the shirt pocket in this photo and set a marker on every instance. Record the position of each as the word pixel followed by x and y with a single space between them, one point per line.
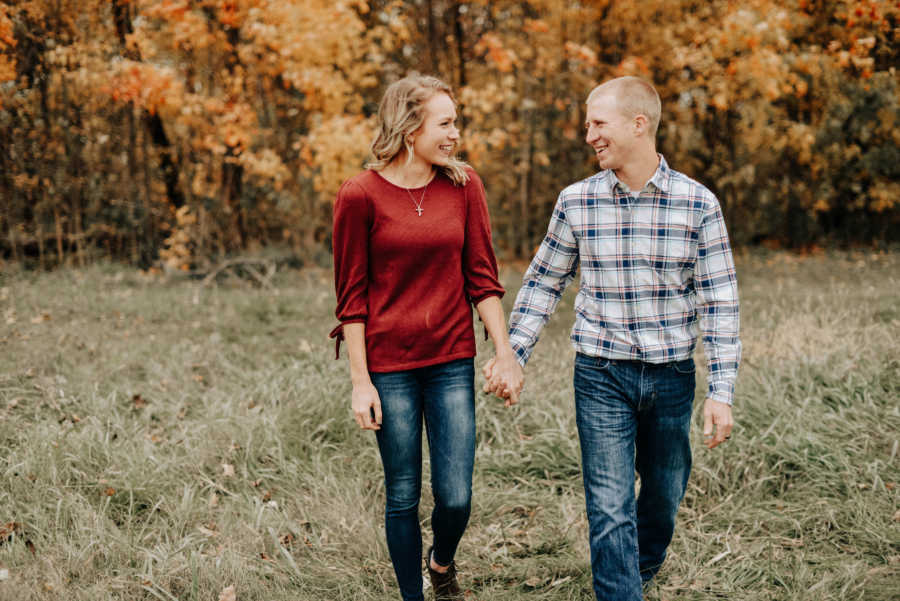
pixel 673 242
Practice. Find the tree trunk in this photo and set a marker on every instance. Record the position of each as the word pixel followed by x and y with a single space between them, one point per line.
pixel 459 34
pixel 57 220
pixel 232 171
pixel 433 61
pixel 153 123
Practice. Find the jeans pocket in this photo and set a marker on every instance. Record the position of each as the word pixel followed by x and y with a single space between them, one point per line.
pixel 685 366
pixel 592 362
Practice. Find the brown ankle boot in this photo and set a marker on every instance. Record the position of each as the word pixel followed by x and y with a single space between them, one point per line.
pixel 445 586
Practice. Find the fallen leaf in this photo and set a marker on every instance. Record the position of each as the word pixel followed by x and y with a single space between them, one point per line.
pixel 228 594
pixel 8 529
pixel 109 491
pixel 30 546
pixel 138 401
pixel 228 470
pixel 265 557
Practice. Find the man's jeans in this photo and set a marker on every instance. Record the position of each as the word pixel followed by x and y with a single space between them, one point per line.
pixel 444 395
pixel 632 416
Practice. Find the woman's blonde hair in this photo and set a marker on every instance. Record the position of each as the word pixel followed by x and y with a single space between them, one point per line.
pixel 402 112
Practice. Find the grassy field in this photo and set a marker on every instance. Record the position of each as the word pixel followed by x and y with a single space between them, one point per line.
pixel 164 440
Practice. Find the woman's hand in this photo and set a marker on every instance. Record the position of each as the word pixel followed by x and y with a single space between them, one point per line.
pixel 505 378
pixel 366 405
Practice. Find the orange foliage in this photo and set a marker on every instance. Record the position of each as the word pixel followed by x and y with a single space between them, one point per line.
pixel 178 130
pixel 146 86
pixel 7 64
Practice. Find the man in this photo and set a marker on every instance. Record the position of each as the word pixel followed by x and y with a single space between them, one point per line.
pixel 656 267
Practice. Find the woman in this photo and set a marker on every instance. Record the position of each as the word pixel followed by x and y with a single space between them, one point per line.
pixel 412 253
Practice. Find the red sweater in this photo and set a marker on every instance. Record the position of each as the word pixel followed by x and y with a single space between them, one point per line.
pixel 411 279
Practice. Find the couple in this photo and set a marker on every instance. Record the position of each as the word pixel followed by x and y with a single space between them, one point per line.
pixel 412 253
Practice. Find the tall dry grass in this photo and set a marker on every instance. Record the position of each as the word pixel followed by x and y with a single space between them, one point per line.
pixel 162 440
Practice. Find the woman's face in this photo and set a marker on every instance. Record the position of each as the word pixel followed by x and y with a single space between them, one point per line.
pixel 436 140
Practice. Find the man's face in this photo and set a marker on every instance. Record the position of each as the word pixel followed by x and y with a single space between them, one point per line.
pixel 610 133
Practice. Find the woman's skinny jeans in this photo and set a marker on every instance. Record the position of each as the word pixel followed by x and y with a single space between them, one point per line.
pixel 444 397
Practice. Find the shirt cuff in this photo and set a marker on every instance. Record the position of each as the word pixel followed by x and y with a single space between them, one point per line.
pixel 338 333
pixel 721 391
pixel 478 299
pixel 520 352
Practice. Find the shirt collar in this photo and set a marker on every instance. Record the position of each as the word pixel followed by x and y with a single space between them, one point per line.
pixel 660 177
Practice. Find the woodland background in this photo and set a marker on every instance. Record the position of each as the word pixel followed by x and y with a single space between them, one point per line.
pixel 176 132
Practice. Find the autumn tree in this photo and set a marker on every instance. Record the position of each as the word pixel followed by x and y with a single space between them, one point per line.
pixel 179 132
pixel 207 127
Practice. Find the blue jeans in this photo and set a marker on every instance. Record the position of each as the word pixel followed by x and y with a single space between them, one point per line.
pixel 632 416
pixel 444 396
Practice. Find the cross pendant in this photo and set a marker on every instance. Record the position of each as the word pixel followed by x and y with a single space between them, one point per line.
pixel 419 211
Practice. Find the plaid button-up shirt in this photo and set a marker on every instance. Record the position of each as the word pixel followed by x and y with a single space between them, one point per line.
pixel 655 269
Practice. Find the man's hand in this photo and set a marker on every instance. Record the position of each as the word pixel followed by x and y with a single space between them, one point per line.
pixel 504 378
pixel 717 423
pixel 366 405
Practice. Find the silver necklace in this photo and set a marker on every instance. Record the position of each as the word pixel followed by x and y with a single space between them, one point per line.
pixel 419 208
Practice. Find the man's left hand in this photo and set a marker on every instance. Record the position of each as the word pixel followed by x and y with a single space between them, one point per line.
pixel 504 377
pixel 717 423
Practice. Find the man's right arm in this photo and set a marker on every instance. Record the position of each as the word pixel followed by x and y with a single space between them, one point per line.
pixel 551 270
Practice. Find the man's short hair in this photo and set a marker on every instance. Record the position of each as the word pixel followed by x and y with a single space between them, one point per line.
pixel 634 96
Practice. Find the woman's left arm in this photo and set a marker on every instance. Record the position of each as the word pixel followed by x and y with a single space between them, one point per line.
pixel 506 376
pixel 483 288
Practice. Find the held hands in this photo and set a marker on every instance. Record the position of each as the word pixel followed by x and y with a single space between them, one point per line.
pixel 366 406
pixel 504 378
pixel 719 415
